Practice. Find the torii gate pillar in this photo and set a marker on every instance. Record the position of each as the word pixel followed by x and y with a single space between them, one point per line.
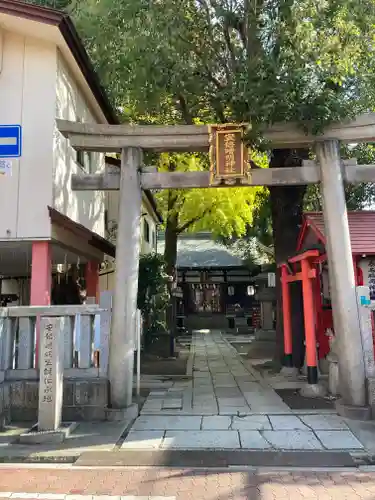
pixel 122 338
pixel 341 272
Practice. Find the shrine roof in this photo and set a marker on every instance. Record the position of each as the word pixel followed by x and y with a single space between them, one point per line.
pixel 201 251
pixel 361 228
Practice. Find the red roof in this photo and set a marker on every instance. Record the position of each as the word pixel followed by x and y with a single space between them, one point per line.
pixel 361 228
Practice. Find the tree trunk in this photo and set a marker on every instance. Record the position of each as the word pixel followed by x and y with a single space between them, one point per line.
pixel 170 257
pixel 287 211
pixel 170 249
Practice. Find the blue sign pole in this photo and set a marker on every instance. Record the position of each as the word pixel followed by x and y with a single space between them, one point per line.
pixel 10 141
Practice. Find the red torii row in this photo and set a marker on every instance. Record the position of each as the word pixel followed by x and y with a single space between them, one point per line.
pixel 303 267
pixel 306 261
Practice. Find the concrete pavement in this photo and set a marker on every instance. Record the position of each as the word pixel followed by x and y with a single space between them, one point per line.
pixel 195 440
pixel 224 413
pixel 228 405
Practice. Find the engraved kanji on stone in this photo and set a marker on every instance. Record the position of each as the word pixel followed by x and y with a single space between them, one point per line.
pixel 48 332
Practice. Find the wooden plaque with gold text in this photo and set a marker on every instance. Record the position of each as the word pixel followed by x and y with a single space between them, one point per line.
pixel 228 154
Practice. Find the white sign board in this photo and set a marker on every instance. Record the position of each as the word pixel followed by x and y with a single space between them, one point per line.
pixel 271 280
pixel 365 321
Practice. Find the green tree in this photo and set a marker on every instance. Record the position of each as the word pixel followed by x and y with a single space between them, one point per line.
pixel 358 196
pixel 153 296
pixel 225 212
pixel 252 61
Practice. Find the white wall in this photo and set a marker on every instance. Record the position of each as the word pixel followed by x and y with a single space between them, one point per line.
pixel 88 207
pixel 107 279
pixel 148 246
pixel 112 202
pixel 111 205
pixel 27 90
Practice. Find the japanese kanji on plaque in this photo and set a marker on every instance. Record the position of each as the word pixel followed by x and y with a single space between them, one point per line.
pixel 228 153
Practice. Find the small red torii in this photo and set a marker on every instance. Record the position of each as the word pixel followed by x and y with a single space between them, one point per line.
pixel 305 266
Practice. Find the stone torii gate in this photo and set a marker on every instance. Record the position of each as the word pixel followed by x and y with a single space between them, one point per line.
pixel 329 171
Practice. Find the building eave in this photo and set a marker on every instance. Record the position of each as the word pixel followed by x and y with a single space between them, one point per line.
pixel 93 239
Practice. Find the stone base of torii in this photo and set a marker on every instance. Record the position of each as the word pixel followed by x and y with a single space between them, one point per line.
pixel 329 170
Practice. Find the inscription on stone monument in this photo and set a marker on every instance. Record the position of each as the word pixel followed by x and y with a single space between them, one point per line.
pixel 105 327
pixel 47 363
pixel 51 373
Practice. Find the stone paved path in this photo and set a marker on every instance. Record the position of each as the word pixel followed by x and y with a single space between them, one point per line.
pixel 185 484
pixel 228 405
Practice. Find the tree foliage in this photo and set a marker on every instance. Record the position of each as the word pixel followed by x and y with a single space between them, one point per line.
pixel 223 211
pixel 153 296
pixel 258 62
pixel 358 196
pixel 242 60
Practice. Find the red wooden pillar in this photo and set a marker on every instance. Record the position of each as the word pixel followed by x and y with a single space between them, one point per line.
pixel 308 310
pixel 92 280
pixel 358 274
pixel 355 270
pixel 320 330
pixel 40 286
pixel 287 323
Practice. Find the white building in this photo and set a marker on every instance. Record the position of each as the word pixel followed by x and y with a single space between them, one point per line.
pixel 150 219
pixel 46 74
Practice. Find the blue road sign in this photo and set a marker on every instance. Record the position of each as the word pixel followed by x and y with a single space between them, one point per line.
pixel 10 141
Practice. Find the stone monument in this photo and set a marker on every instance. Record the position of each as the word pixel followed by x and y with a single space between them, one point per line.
pixel 51 374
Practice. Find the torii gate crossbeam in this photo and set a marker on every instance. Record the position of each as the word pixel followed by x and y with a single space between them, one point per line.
pixel 309 173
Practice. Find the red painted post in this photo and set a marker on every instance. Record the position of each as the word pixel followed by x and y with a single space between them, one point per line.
pixel 355 269
pixel 40 287
pixel 92 280
pixel 288 345
pixel 319 320
pixel 308 310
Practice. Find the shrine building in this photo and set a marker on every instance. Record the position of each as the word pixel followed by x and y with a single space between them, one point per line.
pixel 309 266
pixel 216 288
